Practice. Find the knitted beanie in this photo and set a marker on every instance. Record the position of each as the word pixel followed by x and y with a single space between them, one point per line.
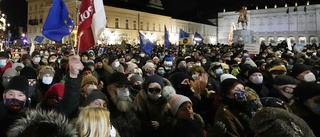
pixel 46 70
pixel 226 76
pixel 10 72
pixel 285 80
pixel 25 56
pixel 306 90
pixel 153 79
pixel 19 83
pixel 135 78
pixel 228 84
pixel 253 70
pixel 119 78
pixel 93 95
pixel 298 69
pixel 56 89
pixel 176 101
pixel 87 79
pixel 35 53
pixel 111 59
pixel 29 73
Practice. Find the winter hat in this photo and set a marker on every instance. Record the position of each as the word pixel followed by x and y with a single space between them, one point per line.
pixel 298 69
pixel 111 59
pixel 226 76
pixel 4 55
pixel 46 70
pixel 277 122
pixel 178 60
pixel 93 95
pixel 299 61
pixel 306 90
pixel 285 80
pixel 56 89
pixel 153 79
pixel 10 72
pixel 228 84
pixel 87 79
pixel 25 56
pixel 278 68
pixel 29 73
pixel 178 77
pixel 253 70
pixel 118 78
pixel 215 66
pixel 148 65
pixel 135 78
pixel 274 102
pixel 189 60
pixel 176 101
pixel 90 63
pixel 15 65
pixel 35 53
pixel 130 67
pixel 97 59
pixel 250 62
pixel 84 54
pixel 121 56
pixel 19 83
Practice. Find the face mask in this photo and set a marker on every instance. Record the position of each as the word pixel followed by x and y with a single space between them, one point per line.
pixel 91 87
pixel 47 80
pixel 52 102
pixel 27 64
pixel 198 64
pixel 194 76
pixel 154 96
pixel 46 57
pixel 3 63
pixel 142 55
pixel 315 108
pixel 123 93
pixel 310 77
pixel 52 61
pixel 219 71
pixel 14 105
pixel 117 64
pixel 136 87
pixel 161 72
pixel 240 96
pixel 37 60
pixel 257 79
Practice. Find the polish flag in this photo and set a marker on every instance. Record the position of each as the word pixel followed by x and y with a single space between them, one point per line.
pixel 92 22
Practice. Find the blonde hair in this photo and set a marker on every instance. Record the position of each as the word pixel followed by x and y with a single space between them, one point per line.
pixel 94 122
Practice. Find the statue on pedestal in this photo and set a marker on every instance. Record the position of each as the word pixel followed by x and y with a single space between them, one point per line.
pixel 243 18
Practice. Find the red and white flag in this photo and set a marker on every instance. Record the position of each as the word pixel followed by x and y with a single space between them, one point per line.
pixel 92 22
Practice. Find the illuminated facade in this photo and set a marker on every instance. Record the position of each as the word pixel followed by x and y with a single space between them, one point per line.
pixel 123 24
pixel 273 25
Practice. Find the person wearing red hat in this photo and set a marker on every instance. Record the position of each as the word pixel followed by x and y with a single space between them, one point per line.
pixel 52 98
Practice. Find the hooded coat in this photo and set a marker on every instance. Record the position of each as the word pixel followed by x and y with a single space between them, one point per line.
pixel 42 123
pixel 149 110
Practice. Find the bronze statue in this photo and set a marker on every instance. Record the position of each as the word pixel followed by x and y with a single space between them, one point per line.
pixel 243 18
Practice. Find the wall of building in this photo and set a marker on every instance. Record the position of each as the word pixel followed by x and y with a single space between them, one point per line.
pixel 123 24
pixel 274 25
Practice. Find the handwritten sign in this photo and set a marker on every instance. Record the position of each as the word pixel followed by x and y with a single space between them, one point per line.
pixel 252 48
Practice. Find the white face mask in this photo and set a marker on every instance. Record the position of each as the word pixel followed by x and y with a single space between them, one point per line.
pixel 257 79
pixel 123 93
pixel 3 63
pixel 91 87
pixel 117 64
pixel 310 77
pixel 195 76
pixel 198 64
pixel 142 55
pixel 37 59
pixel 47 80
pixel 154 96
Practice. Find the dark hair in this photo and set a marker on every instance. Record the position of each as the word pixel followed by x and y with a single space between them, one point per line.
pixel 187 128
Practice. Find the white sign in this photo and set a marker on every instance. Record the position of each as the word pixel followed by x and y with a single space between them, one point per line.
pixel 289 44
pixel 252 48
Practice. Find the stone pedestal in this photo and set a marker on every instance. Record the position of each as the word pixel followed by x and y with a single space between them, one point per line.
pixel 242 36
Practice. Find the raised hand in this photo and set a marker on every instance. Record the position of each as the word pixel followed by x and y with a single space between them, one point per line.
pixel 75 66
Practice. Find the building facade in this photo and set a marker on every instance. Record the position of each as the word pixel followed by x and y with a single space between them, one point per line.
pixel 123 24
pixel 274 25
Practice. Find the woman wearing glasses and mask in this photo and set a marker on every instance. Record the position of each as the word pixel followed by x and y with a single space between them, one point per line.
pixel 152 107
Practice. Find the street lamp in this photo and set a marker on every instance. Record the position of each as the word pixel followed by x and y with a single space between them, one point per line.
pixel 8 25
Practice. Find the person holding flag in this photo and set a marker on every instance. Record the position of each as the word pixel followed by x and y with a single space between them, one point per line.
pixel 146 44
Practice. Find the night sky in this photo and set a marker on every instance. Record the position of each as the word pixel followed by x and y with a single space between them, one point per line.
pixel 202 9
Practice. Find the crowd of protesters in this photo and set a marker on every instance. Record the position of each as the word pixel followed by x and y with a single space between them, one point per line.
pixel 180 91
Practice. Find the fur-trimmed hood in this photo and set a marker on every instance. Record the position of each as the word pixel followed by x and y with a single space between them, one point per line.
pixel 42 123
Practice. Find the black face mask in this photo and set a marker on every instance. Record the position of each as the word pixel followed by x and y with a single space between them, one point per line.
pixel 52 103
pixel 137 87
pixel 14 106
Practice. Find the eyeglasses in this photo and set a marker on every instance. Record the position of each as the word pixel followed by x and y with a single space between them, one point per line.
pixel 32 82
pixel 154 90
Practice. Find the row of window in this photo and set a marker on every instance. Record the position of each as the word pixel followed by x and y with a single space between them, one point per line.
pixel 35 7
pixel 135 25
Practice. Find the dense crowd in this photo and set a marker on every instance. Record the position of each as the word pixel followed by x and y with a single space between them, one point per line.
pixel 183 91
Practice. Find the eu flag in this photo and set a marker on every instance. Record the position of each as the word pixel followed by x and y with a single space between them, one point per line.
pixel 198 38
pixel 146 44
pixel 38 39
pixel 58 23
pixel 183 34
pixel 166 37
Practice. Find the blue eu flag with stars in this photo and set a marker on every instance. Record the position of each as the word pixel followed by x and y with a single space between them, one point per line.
pixel 183 34
pixel 166 37
pixel 146 44
pixel 58 23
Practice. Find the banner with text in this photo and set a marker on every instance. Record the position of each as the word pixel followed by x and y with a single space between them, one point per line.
pixel 252 48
